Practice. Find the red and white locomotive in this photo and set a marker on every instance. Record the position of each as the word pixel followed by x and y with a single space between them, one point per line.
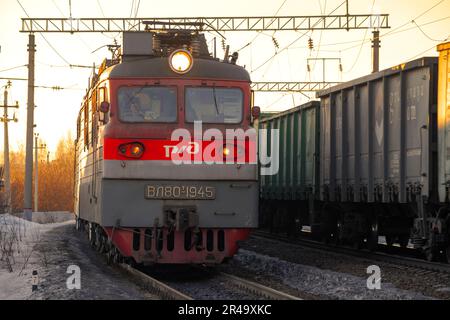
pixel 134 200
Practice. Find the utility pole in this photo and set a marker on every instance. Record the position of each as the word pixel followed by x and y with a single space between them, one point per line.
pixel 5 121
pixel 27 210
pixel 347 15
pixel 36 172
pixel 376 51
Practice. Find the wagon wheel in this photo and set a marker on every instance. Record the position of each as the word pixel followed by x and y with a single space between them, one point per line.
pixel 430 254
pixel 403 240
pixel 357 242
pixel 372 239
pixel 390 240
pixel 338 231
pixel 109 257
pixel 447 253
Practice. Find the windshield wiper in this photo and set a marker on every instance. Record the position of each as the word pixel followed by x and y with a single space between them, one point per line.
pixel 215 100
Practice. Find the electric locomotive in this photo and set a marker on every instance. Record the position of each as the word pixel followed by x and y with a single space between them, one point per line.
pixel 131 195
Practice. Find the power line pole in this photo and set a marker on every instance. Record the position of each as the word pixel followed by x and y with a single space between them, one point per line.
pixel 27 209
pixel 5 121
pixel 376 51
pixel 36 172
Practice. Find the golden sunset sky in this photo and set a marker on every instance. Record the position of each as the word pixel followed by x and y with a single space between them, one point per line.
pixel 417 26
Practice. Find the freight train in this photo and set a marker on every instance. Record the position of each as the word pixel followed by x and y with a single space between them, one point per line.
pixel 370 159
pixel 135 202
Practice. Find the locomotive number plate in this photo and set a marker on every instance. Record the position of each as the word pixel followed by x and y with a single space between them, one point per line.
pixel 180 192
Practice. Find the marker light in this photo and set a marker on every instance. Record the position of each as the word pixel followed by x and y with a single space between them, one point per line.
pixel 131 150
pixel 226 151
pixel 181 61
pixel 233 153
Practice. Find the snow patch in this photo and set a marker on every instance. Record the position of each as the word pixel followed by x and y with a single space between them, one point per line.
pixel 17 256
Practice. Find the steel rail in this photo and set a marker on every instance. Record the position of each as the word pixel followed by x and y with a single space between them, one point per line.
pixel 153 285
pixel 257 288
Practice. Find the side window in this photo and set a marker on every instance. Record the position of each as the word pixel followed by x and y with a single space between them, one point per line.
pixel 86 124
pixel 94 117
pixel 94 101
pixel 82 126
pixel 102 95
pixel 78 127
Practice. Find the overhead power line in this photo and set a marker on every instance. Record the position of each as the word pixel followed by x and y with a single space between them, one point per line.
pixel 12 68
pixel 301 36
pixel 423 32
pixel 42 86
pixel 417 17
pixel 49 44
pixel 355 61
pixel 258 34
pixel 101 9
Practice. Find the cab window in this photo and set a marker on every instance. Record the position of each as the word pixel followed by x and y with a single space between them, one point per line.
pixel 147 104
pixel 214 105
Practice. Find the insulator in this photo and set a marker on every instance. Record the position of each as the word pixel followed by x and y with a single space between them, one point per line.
pixel 308 68
pixel 275 43
pixel 310 43
pixel 156 45
pixel 234 57
pixel 223 44
pixel 340 67
pixel 195 45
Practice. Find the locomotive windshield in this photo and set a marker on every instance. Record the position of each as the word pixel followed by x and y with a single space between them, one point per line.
pixel 147 104
pixel 214 105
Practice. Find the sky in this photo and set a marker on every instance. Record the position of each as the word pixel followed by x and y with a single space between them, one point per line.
pixel 417 26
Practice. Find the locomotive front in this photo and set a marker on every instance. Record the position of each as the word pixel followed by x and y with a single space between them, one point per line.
pixel 167 170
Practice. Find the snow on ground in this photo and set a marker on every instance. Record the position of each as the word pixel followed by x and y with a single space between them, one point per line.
pixel 52 216
pixel 50 249
pixel 17 239
pixel 313 280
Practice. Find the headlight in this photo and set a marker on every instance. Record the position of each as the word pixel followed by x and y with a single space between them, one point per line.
pixel 181 61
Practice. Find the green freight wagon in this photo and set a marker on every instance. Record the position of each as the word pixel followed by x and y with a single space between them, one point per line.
pixel 370 159
pixel 285 195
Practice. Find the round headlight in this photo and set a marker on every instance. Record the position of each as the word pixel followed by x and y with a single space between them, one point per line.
pixel 181 61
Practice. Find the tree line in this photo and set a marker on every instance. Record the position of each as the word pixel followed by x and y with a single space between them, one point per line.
pixel 55 181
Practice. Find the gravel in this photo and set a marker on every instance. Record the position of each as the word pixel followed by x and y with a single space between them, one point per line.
pixel 198 283
pixel 315 281
pixel 416 283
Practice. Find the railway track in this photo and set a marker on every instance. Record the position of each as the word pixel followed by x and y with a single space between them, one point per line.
pixel 167 291
pixel 257 289
pixel 153 285
pixel 392 259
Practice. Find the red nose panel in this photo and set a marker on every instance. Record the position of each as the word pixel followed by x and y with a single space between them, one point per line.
pixel 195 150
